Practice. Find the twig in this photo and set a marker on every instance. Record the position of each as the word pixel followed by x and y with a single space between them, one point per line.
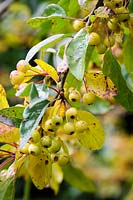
pixel 98 4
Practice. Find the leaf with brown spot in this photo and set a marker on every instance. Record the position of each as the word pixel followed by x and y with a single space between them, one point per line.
pixel 100 85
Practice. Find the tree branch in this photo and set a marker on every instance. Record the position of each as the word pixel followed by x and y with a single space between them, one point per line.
pixel 98 4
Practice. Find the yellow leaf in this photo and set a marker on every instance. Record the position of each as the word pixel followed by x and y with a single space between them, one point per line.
pixel 7 147
pixel 3 100
pixel 48 69
pixel 59 108
pixel 57 177
pixel 93 137
pixel 9 134
pixel 31 72
pixel 100 85
pixel 40 169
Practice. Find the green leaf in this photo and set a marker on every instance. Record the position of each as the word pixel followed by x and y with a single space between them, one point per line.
pixel 13 112
pixel 53 10
pixel 73 82
pixel 112 69
pixel 58 24
pixel 101 106
pixel 70 6
pixel 33 93
pixel 128 54
pixel 12 116
pixel 33 113
pixel 77 179
pixel 7 183
pixel 90 54
pixel 47 43
pixel 76 54
pixel 130 6
pixel 24 92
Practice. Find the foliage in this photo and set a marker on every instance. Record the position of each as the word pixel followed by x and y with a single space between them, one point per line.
pixel 61 96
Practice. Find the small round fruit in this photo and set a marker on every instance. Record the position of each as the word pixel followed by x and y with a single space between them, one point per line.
pixel 113 26
pixel 71 113
pixel 101 48
pixel 122 14
pixel 89 98
pixel 25 148
pixel 34 149
pixel 108 4
pixel 35 136
pixel 63 159
pixel 16 77
pixel 94 38
pixel 46 141
pixel 81 126
pixel 22 66
pixel 109 41
pixel 118 3
pixel 49 126
pixel 69 128
pixel 57 120
pixel 74 96
pixel 78 24
pixel 55 147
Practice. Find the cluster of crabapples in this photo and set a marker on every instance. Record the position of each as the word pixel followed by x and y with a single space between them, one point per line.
pixel 87 98
pixel 46 137
pixel 17 76
pixel 102 29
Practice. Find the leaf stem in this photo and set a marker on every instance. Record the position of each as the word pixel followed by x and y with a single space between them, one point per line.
pixel 27 188
pixel 8 160
pixel 8 152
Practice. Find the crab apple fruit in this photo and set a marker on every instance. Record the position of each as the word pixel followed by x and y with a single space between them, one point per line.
pixel 122 14
pixel 16 77
pixel 108 4
pixel 69 128
pixel 63 159
pixel 113 26
pixel 118 3
pixel 35 136
pixel 109 41
pixel 78 24
pixel 81 126
pixel 55 147
pixel 94 38
pixel 34 149
pixel 46 141
pixel 101 48
pixel 57 120
pixel 22 66
pixel 89 98
pixel 71 113
pixel 49 126
pixel 25 148
pixel 74 95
